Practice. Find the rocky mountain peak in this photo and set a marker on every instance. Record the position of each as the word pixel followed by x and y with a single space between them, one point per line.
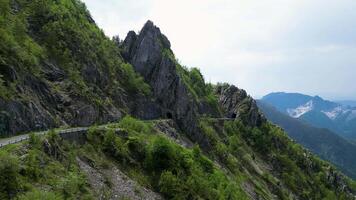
pixel 144 51
pixel 147 53
pixel 151 31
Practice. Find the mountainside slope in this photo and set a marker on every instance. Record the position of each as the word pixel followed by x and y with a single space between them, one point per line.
pixel 192 140
pixel 58 68
pixel 322 142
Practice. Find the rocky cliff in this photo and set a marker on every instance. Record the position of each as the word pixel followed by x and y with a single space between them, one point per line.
pixel 237 104
pixel 151 56
pixel 59 69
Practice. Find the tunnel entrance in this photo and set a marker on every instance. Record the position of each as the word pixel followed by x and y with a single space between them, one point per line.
pixel 233 116
pixel 169 115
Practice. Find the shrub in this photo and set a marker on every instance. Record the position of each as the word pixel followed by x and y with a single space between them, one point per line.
pixel 115 146
pixel 137 148
pixel 206 164
pixel 131 124
pixel 162 155
pixel 134 81
pixel 171 186
pixel 35 141
pixel 4 92
pixel 72 185
pixel 39 195
pixel 32 165
pixel 10 182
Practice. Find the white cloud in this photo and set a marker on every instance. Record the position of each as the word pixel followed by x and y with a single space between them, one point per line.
pixel 262 46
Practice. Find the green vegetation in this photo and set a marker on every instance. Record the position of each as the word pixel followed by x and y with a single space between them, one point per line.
pixel 322 142
pixel 241 161
pixel 46 167
pixel 4 92
pixel 195 83
pixel 39 171
pixel 62 33
pixel 174 171
pixel 201 91
pixel 245 147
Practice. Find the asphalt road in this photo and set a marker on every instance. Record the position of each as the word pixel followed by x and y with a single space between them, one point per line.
pixel 20 138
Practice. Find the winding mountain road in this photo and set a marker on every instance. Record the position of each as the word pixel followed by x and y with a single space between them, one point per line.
pixel 19 138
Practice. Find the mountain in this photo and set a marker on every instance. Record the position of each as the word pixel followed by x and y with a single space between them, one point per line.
pixel 151 128
pixel 347 103
pixel 322 142
pixel 316 111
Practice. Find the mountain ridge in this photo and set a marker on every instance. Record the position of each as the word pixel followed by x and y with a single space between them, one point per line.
pixel 323 142
pixel 59 69
pixel 316 111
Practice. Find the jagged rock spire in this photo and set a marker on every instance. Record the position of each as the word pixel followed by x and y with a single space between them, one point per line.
pixel 144 51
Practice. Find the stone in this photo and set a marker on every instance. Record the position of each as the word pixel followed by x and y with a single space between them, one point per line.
pixel 146 54
pixel 237 104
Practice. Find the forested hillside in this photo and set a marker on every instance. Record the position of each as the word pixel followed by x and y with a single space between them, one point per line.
pixel 322 142
pixel 166 133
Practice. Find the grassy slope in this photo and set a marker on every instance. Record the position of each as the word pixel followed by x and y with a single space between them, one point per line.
pixel 61 30
pixel 245 162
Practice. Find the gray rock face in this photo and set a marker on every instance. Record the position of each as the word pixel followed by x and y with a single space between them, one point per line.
pixel 237 104
pixel 45 108
pixel 147 52
pixel 144 51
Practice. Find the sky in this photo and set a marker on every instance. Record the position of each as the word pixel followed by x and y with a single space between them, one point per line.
pixel 306 46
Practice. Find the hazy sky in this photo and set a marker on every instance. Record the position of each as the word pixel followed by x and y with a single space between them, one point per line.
pixel 306 46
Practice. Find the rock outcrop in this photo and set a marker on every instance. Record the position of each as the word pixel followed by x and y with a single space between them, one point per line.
pixel 237 104
pixel 151 56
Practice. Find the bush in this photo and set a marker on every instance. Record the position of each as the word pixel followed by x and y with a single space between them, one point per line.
pixel 32 165
pixel 131 124
pixel 134 81
pixel 206 164
pixel 10 182
pixel 4 92
pixel 162 155
pixel 115 146
pixel 72 185
pixel 35 141
pixel 171 186
pixel 39 195
pixel 137 148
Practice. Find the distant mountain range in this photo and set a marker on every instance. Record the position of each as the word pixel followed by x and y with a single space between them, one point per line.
pixel 347 103
pixel 320 141
pixel 339 117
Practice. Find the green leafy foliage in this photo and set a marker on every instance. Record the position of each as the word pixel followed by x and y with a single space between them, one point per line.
pixel 64 34
pixel 174 171
pixel 39 195
pixel 4 92
pixel 133 125
pixel 40 173
pixel 301 172
pixel 194 81
pixel 10 182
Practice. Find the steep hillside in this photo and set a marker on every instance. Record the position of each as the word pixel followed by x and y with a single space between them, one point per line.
pixel 58 68
pixel 151 160
pixel 322 142
pixel 186 140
